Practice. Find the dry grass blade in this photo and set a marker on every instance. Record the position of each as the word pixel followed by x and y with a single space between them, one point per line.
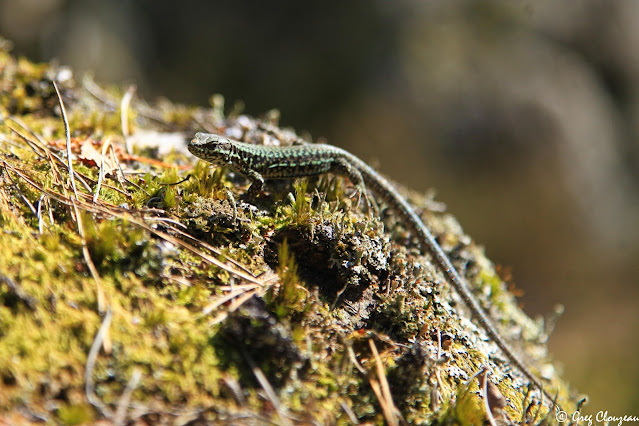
pixel 89 386
pixel 34 146
pixel 57 176
pixel 353 359
pixel 28 129
pixel 67 135
pixel 349 412
pixel 96 194
pixel 97 92
pixel 78 216
pixel 123 404
pixel 166 220
pixel 90 264
pixel 8 141
pixel 208 247
pixel 387 409
pixel 123 178
pixel 6 202
pixel 228 297
pixel 382 389
pixel 25 199
pixel 192 249
pixel 100 94
pixel 237 296
pixel 106 146
pixel 124 115
pixel 268 390
pixel 39 215
pixel 236 302
pixel 483 379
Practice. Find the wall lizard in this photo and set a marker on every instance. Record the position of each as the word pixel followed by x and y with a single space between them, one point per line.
pixel 259 162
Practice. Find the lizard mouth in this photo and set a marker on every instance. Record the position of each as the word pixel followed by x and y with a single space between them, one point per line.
pixel 193 147
pixel 195 150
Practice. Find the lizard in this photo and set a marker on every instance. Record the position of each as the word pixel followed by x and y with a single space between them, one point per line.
pixel 259 162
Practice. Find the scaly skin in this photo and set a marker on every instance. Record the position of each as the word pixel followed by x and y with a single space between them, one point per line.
pixel 259 162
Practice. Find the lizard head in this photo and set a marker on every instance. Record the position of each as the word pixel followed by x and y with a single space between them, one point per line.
pixel 212 148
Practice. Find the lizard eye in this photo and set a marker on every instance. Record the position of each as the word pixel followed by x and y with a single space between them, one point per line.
pixel 225 147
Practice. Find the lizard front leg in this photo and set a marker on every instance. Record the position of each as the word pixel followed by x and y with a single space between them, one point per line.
pixel 257 183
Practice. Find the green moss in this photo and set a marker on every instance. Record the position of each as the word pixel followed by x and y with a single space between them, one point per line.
pixel 76 414
pixel 290 296
pixel 205 181
pixel 469 409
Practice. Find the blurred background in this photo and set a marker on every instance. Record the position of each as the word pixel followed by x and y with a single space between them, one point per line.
pixel 522 115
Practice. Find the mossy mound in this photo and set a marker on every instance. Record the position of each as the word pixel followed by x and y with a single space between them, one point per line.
pixel 127 292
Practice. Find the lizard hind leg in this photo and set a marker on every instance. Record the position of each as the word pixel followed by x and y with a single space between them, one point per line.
pixel 345 168
pixel 370 204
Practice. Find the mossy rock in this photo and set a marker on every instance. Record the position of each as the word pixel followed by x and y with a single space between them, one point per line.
pixel 172 301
